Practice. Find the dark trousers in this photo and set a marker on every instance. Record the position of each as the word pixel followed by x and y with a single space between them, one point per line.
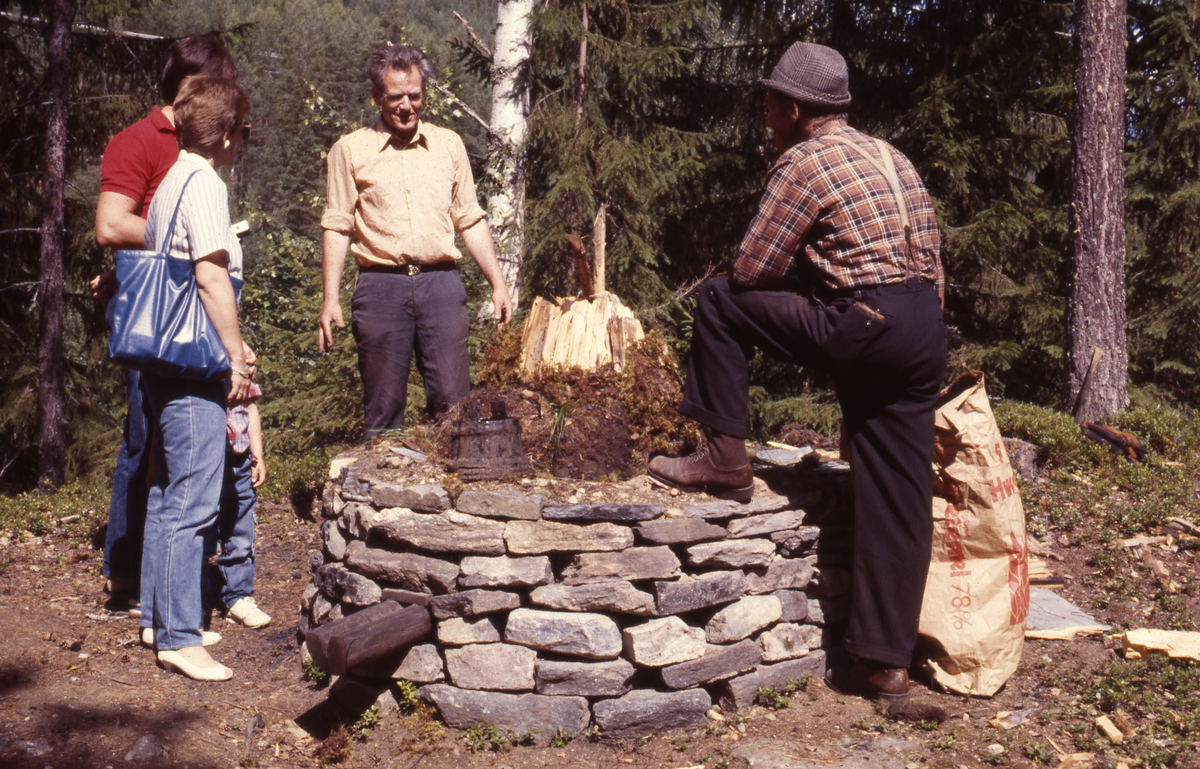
pixel 396 315
pixel 885 349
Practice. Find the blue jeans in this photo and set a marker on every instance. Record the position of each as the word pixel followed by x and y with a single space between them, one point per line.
pixel 127 509
pixel 396 315
pixel 235 529
pixel 190 417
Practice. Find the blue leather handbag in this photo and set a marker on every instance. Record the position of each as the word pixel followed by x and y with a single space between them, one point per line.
pixel 159 325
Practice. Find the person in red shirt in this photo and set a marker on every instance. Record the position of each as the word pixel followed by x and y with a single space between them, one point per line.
pixel 134 163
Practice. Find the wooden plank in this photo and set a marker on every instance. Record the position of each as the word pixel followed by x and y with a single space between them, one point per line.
pixel 387 632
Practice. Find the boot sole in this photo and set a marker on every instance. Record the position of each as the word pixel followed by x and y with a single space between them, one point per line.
pixel 743 494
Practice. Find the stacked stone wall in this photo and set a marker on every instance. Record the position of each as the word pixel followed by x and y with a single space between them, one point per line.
pixel 552 615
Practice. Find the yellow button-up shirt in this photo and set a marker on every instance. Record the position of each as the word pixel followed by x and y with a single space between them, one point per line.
pixel 400 204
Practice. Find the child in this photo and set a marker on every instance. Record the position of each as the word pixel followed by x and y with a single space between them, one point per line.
pixel 245 471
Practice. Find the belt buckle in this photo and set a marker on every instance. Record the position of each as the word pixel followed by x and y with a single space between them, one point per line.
pixel 413 270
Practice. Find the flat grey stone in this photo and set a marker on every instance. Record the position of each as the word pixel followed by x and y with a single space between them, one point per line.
pixel 501 667
pixel 330 498
pixel 501 504
pixel 448 532
pixel 741 619
pixel 881 753
pixel 602 512
pixel 355 694
pixel 662 642
pixel 755 525
pixel 786 457
pixel 423 498
pixel 614 596
pixel 360 519
pixel 512 713
pixel 339 584
pixel 538 537
pixel 632 564
pixel 422 664
pixel 584 679
pixel 1050 611
pixel 739 693
pixel 335 540
pixel 471 603
pixel 816 612
pixel 679 531
pixel 688 594
pixel 793 604
pixel 768 502
pixel 147 748
pixel 408 571
pixel 781 574
pixel 788 640
pixel 731 554
pixel 406 597
pixel 717 664
pixel 458 631
pixel 798 542
pixel 504 571
pixel 591 636
pixel 647 712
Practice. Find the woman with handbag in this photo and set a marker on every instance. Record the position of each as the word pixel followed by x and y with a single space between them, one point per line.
pixel 188 219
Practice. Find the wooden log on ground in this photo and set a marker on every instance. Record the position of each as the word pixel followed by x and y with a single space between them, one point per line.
pixel 366 636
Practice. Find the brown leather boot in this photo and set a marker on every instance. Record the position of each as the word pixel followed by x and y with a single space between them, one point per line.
pixel 870 681
pixel 703 470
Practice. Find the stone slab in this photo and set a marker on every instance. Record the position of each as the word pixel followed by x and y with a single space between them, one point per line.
pixel 740 693
pixel 662 642
pixel 768 502
pixel 788 640
pixel 679 531
pixel 741 619
pixel 539 537
pixel 647 712
pixel 602 512
pixel 471 603
pixel 504 571
pixel 766 523
pixel 577 634
pixel 501 504
pixel 407 571
pixel 340 584
pixel 700 593
pixel 612 596
pixel 731 554
pixel 448 532
pixel 425 498
pixel 512 713
pixel 632 564
pixel 502 667
pixel 458 631
pixel 1050 611
pixel 781 574
pixel 717 664
pixel 585 679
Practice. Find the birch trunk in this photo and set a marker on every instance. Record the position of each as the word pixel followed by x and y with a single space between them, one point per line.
pixel 506 145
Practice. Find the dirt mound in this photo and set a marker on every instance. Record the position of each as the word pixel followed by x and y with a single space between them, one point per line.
pixel 580 424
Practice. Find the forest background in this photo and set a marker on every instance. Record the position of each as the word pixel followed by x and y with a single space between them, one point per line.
pixel 667 130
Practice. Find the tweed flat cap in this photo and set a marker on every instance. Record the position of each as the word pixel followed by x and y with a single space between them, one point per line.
pixel 813 75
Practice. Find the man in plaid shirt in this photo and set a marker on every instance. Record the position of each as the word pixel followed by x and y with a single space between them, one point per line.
pixel 839 270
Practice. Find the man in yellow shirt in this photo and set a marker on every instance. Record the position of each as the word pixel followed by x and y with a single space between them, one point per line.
pixel 397 192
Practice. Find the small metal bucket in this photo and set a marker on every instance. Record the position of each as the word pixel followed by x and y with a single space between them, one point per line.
pixel 485 449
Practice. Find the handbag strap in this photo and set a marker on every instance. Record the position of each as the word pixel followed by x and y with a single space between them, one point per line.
pixel 166 246
pixel 888 169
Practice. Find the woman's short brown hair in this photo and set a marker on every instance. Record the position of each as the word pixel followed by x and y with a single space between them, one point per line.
pixel 207 109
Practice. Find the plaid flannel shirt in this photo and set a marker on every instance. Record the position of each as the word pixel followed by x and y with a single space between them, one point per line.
pixel 829 217
pixel 237 422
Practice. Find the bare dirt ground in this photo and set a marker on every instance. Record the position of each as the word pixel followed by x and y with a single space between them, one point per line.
pixel 77 690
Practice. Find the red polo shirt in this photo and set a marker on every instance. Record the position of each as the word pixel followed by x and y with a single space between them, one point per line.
pixel 138 158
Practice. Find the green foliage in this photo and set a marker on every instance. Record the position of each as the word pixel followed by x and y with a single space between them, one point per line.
pixel 488 737
pixel 1059 440
pixel 366 721
pixel 561 737
pixel 82 504
pixel 406 696
pixel 779 698
pixel 313 673
pixel 817 411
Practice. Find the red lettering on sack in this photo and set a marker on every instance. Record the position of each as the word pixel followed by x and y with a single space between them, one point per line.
pixel 953 542
pixel 1018 581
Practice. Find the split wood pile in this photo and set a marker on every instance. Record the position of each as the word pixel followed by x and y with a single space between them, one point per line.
pixel 563 616
pixel 585 332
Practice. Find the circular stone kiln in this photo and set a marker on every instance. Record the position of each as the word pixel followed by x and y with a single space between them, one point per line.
pixel 559 606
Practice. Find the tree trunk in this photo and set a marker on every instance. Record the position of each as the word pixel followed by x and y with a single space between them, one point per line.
pixel 506 143
pixel 1096 308
pixel 51 411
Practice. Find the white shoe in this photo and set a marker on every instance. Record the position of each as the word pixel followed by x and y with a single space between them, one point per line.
pixel 246 612
pixel 207 637
pixel 195 663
